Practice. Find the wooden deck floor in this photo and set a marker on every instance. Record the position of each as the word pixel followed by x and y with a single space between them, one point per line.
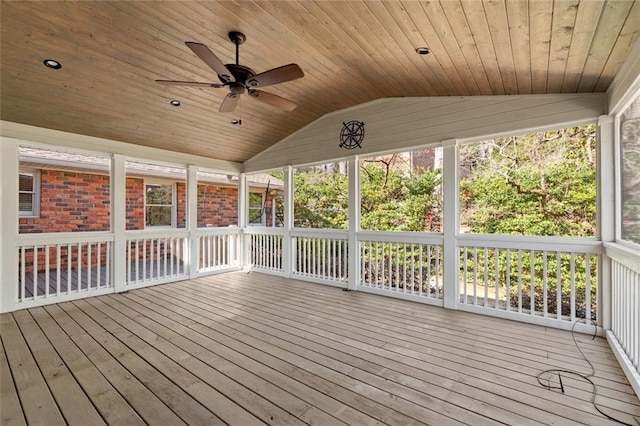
pixel 252 348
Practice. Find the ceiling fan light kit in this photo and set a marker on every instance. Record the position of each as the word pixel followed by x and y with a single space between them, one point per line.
pixel 241 79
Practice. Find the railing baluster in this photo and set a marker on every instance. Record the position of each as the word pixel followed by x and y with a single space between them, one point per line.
pixel 532 294
pixel 99 266
pixel 421 279
pixel 507 284
pixel 69 275
pixel 519 281
pixel 572 268
pixel 464 275
pixel 558 285
pixel 23 274
pixel 545 309
pixel 107 274
pixel 90 266
pixel 587 286
pixel 58 267
pixel 47 260
pixel 496 282
pixel 35 271
pixel 79 266
pixel 475 276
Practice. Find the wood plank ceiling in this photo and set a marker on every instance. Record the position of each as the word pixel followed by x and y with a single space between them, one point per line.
pixel 351 52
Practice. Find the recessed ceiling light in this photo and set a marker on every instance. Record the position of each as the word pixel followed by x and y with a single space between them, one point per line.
pixel 52 63
pixel 175 103
pixel 236 122
pixel 423 50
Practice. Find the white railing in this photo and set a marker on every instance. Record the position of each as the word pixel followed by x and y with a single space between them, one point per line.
pixel 320 255
pixel 408 264
pixel 264 249
pixel 219 249
pixel 156 257
pixel 624 336
pixel 63 266
pixel 547 278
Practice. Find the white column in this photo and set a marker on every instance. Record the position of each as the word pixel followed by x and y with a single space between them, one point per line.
pixel 192 219
pixel 288 251
pixel 606 210
pixel 450 221
pixel 118 221
pixel 243 216
pixel 8 225
pixel 354 223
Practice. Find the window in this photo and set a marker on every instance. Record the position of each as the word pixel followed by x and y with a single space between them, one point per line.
pixel 630 162
pixel 159 205
pixel 321 196
pixel 256 212
pixel 533 184
pixel 402 191
pixel 28 193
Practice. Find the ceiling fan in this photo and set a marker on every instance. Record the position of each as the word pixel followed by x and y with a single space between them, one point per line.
pixel 240 79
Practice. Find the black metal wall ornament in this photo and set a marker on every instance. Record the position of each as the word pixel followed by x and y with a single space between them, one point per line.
pixel 352 134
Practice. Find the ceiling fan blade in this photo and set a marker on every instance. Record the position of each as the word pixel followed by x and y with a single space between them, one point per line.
pixel 229 103
pixel 210 59
pixel 275 76
pixel 273 100
pixel 188 83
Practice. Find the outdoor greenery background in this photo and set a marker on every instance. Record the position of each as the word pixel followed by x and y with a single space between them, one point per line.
pixel 540 184
pixel 534 184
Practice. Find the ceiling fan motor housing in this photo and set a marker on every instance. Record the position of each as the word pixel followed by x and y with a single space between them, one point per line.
pixel 240 73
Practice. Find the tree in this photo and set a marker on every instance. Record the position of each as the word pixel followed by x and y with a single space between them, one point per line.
pixel 536 184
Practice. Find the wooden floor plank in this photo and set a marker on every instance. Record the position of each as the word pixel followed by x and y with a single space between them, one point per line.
pixel 38 404
pixel 111 405
pixel 143 339
pixel 69 396
pixel 457 344
pixel 150 408
pixel 180 403
pixel 366 379
pixel 534 388
pixel 10 408
pixel 332 383
pixel 252 348
pixel 450 337
pixel 485 378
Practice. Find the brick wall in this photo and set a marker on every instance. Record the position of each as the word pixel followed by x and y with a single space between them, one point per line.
pixel 134 202
pixel 73 202
pixel 70 202
pixel 217 206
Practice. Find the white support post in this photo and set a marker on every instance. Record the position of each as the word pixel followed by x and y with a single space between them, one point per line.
pixel 192 220
pixel 450 222
pixel 354 223
pixel 243 216
pixel 287 244
pixel 118 221
pixel 606 211
pixel 9 169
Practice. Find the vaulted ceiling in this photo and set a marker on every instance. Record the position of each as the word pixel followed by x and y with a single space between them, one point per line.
pixel 351 52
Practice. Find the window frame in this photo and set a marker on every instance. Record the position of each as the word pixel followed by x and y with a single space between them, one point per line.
pixel 35 193
pixel 263 218
pixel 174 207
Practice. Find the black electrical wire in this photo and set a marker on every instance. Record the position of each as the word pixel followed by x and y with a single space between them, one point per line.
pixel 586 377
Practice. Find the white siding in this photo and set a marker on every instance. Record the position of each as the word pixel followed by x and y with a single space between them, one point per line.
pixel 397 123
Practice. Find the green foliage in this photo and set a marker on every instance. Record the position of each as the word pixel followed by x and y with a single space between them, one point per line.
pixel 321 200
pixel 393 201
pixel 538 184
